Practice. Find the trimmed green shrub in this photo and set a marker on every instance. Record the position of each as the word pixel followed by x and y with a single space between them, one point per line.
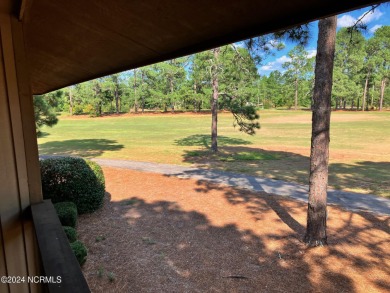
pixel 73 179
pixel 80 251
pixel 71 233
pixel 67 213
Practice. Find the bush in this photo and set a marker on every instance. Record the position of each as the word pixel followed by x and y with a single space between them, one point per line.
pixel 73 179
pixel 67 213
pixel 80 251
pixel 70 233
pixel 90 109
pixel 77 109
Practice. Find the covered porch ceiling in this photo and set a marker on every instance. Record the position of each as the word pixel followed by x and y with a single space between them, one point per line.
pixel 73 41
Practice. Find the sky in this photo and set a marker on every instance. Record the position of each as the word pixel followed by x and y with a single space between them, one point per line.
pixel 373 20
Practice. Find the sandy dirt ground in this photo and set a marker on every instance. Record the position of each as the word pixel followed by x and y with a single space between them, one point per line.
pixel 163 234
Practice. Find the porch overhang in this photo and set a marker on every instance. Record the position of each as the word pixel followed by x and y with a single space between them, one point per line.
pixel 73 41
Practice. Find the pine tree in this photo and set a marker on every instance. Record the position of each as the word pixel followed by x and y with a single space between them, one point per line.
pixel 319 155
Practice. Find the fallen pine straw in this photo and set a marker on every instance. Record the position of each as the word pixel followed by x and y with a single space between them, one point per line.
pixel 163 234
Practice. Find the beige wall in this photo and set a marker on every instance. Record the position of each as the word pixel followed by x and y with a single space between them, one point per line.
pixel 19 165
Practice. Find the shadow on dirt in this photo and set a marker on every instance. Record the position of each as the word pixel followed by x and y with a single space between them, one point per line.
pixel 195 236
pixel 358 238
pixel 160 247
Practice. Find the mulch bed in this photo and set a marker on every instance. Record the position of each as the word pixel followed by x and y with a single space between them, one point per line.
pixel 157 233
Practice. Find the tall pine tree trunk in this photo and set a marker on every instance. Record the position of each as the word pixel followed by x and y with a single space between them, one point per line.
pixel 319 155
pixel 116 93
pixel 142 93
pixel 172 99
pixel 296 94
pixel 70 101
pixel 365 93
pixel 135 92
pixel 383 85
pixel 214 103
pixel 195 100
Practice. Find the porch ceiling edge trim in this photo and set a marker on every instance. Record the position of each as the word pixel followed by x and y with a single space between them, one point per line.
pixel 312 11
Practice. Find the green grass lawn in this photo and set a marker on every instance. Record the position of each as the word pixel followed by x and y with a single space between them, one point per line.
pixel 359 155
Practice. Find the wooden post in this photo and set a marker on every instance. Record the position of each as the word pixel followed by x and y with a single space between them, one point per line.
pixel 19 168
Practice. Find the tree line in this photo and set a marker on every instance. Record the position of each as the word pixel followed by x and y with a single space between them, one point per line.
pixel 361 75
pixel 181 84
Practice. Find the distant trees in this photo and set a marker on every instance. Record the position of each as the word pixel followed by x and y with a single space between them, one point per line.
pixel 114 87
pixel 381 40
pixel 361 69
pixel 298 69
pixel 200 81
pixel 360 81
pixel 348 66
pixel 273 90
pixel 169 79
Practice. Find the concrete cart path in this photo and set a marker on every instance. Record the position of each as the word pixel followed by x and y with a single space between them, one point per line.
pixel 348 200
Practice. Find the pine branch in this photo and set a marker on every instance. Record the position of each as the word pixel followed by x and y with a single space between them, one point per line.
pixel 359 24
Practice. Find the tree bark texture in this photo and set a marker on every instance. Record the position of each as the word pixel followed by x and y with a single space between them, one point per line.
pixel 135 92
pixel 383 85
pixel 214 103
pixel 171 89
pixel 116 100
pixel 319 155
pixel 195 101
pixel 142 95
pixel 296 94
pixel 365 93
pixel 70 102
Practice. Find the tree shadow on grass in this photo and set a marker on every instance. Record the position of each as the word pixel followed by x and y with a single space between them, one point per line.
pixel 205 141
pixel 372 176
pixel 253 161
pixel 160 247
pixel 364 176
pixel 86 148
pixel 42 134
